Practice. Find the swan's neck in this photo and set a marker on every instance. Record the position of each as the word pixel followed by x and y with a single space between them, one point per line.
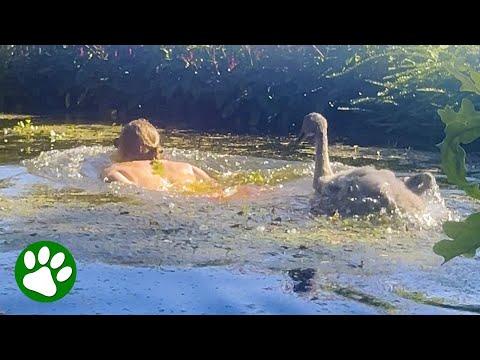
pixel 322 161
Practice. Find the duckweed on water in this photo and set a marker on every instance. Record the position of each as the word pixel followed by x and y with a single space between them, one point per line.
pixel 46 195
pixel 41 197
pixel 26 139
pixel 276 232
pixel 422 298
pixel 194 188
pixel 359 296
pixel 328 233
pixel 200 188
pixel 263 177
pixel 24 127
pixel 418 297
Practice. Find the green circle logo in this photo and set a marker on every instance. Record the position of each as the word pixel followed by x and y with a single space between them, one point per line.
pixel 45 271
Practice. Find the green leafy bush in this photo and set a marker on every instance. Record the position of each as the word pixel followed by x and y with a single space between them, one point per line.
pixel 375 93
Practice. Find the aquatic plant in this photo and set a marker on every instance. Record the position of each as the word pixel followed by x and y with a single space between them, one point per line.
pixel 422 298
pixel 24 127
pixel 195 188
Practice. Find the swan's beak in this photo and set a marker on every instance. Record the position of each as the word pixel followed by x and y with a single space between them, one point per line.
pixel 301 137
pixel 298 140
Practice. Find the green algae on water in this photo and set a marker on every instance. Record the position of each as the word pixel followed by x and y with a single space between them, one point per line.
pixel 359 296
pixel 422 298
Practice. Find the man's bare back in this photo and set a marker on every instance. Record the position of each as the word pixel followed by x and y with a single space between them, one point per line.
pixel 139 162
pixel 168 174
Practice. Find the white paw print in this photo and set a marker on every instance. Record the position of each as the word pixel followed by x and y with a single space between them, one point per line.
pixel 42 281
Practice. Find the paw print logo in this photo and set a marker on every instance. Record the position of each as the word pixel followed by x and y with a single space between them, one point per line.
pixel 45 271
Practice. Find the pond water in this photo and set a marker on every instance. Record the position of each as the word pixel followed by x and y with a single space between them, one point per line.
pixel 50 189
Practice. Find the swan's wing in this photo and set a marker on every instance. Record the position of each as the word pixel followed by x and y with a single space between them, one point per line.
pixel 365 190
pixel 393 190
pixel 350 192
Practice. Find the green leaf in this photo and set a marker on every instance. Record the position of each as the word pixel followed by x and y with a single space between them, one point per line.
pixel 462 127
pixel 465 235
pixel 470 81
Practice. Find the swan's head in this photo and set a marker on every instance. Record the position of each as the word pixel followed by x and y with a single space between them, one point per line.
pixel 313 124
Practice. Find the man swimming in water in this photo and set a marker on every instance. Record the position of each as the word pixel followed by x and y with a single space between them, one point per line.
pixel 139 162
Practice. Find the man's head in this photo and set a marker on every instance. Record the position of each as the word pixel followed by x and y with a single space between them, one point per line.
pixel 139 140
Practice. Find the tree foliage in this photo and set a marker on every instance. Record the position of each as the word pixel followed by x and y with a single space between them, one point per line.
pixel 462 127
pixel 391 91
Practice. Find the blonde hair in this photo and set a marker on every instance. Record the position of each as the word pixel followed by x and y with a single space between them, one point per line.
pixel 139 140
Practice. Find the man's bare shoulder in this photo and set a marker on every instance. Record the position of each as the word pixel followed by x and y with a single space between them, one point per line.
pixel 130 164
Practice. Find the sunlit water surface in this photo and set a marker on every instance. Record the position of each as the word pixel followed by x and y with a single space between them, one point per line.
pixel 54 190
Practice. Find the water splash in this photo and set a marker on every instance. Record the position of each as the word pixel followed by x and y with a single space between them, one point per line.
pixel 274 232
pixel 290 181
